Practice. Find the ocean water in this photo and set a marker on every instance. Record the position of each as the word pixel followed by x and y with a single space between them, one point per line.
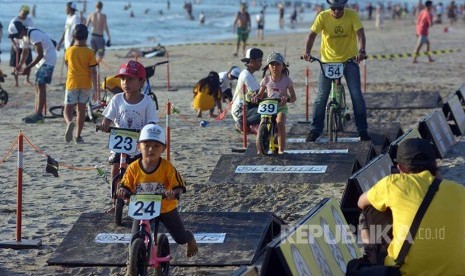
pixel 152 23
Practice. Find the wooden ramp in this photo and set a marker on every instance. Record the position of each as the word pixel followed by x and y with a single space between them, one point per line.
pixel 245 236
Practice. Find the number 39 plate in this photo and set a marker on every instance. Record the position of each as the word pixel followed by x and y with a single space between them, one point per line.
pixel 333 70
pixel 144 206
pixel 268 107
pixel 123 141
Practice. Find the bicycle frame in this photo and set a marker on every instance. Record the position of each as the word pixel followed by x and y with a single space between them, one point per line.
pixel 336 108
pixel 150 241
pixel 267 129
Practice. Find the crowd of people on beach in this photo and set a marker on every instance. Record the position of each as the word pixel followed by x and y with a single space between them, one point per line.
pixel 343 41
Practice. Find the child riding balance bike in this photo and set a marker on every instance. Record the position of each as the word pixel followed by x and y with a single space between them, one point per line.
pixel 152 172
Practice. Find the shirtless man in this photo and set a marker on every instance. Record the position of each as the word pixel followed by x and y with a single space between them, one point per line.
pixel 242 21
pixel 99 25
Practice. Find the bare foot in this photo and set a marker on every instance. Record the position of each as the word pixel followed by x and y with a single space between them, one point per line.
pixel 431 60
pixel 212 115
pixel 192 248
pixel 111 210
pixel 414 61
pixel 28 82
pixel 199 114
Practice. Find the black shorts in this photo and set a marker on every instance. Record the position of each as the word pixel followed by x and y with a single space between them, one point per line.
pixel 227 94
pixel 13 56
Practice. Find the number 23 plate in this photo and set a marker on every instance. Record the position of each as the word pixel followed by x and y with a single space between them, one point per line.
pixel 123 141
pixel 144 206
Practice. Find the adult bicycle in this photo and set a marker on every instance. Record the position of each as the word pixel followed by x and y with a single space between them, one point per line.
pixel 148 248
pixel 121 141
pixel 337 111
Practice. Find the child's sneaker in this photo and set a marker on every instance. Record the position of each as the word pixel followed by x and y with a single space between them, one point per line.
pixel 69 132
pixel 34 119
pixel 78 140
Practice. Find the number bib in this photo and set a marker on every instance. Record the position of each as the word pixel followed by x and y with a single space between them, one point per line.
pixel 268 107
pixel 123 140
pixel 333 70
pixel 144 206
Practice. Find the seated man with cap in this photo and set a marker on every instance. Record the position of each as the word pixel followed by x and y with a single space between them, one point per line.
pixel 438 247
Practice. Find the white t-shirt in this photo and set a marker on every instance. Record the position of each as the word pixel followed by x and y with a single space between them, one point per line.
pixel 71 22
pixel 38 36
pixel 251 85
pixel 224 81
pixel 132 116
pixel 27 23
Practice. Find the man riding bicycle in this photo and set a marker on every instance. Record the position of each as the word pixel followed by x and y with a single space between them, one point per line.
pixel 341 30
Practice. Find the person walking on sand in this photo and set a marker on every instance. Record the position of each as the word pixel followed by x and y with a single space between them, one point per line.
pixel 82 77
pixel 424 22
pixel 72 19
pixel 277 85
pixel 17 46
pixel 341 30
pixel 207 94
pixel 98 20
pixel 45 61
pixel 242 26
pixel 260 18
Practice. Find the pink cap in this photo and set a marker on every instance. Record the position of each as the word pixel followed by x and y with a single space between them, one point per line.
pixel 131 69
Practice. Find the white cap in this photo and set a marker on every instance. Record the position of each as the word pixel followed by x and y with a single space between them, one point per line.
pixel 152 132
pixel 235 71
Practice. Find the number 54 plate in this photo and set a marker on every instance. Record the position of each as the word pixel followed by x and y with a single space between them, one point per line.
pixel 144 206
pixel 123 140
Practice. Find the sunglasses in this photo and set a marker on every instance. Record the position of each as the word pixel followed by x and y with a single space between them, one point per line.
pixel 337 8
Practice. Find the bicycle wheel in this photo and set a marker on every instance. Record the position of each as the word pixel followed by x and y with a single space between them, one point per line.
pixel 57 111
pixel 332 123
pixel 137 263
pixel 154 98
pixel 263 138
pixel 119 202
pixel 163 250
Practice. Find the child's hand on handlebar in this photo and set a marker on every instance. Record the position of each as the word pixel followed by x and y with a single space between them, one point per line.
pixel 172 194
pixel 122 192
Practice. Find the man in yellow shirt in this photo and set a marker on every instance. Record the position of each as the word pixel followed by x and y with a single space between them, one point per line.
pixel 438 248
pixel 341 31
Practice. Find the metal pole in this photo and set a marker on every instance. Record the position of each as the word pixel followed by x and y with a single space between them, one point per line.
pixel 244 115
pixel 307 89
pixel 19 200
pixel 168 130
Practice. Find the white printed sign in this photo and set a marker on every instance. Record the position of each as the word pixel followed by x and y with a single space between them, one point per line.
pixel 281 169
pixel 321 151
pixel 126 238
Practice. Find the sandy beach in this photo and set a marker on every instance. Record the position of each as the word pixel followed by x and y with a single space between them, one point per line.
pixel 52 205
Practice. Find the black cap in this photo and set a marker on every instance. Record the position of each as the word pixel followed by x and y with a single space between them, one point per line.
pixel 252 53
pixel 416 152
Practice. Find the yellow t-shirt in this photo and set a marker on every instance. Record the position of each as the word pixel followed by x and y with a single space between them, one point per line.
pixel 339 36
pixel 111 83
pixel 137 180
pixel 439 245
pixel 80 59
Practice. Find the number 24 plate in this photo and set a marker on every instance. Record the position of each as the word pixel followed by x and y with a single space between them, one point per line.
pixel 144 206
pixel 123 141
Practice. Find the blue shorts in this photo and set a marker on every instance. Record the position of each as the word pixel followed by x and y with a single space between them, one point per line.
pixel 44 74
pixel 75 96
pixel 423 39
